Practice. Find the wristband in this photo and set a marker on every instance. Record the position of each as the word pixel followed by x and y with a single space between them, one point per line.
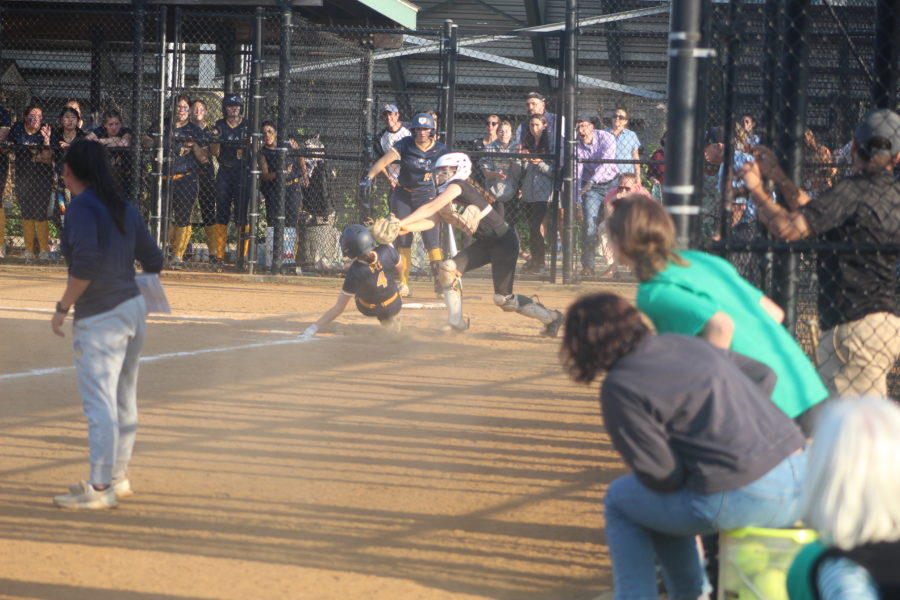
pixel 62 309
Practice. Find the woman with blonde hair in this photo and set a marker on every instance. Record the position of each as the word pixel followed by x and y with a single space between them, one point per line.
pixel 852 498
pixel 694 293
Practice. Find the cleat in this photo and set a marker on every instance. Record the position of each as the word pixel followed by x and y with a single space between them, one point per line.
pixel 459 328
pixel 552 328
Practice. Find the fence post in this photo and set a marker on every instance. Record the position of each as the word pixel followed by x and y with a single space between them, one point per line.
pixel 253 189
pixel 161 228
pixel 448 76
pixel 137 96
pixel 568 122
pixel 284 83
pixel 887 47
pixel 364 200
pixel 794 76
pixel 681 120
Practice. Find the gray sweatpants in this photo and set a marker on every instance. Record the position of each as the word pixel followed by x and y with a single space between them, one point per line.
pixel 107 347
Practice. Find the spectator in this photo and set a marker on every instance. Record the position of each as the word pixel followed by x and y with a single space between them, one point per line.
pixel 63 136
pixel 206 181
pixel 33 179
pixel 818 172
pixel 656 173
pixel 188 153
pixel 628 146
pixel 232 135
pixel 491 133
pixel 594 181
pixel 537 189
pixel 502 175
pixel 707 449
pixel 536 104
pixel 5 124
pixel 628 185
pixel 852 497
pixel 116 138
pixel 743 214
pixel 859 312
pixel 694 293
pixel 103 237
pixel 293 178
pixel 394 131
pixel 85 125
pixel 748 124
pixel 315 200
pixel 415 188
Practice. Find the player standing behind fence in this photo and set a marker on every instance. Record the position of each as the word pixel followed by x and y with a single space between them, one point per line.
pixel 104 235
pixel 206 180
pixel 417 156
pixel 859 293
pixel 694 293
pixel 113 135
pixel 5 124
pixel 465 205
pixel 231 135
pixel 188 154
pixel 294 178
pixel 369 280
pixel 33 178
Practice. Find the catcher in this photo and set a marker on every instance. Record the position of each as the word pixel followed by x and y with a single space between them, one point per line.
pixel 370 281
pixel 468 207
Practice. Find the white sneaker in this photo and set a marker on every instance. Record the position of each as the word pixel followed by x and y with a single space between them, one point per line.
pixel 85 497
pixel 28 255
pixel 121 486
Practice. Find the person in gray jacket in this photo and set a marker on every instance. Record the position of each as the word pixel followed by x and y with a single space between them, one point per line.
pixel 708 449
pixel 537 189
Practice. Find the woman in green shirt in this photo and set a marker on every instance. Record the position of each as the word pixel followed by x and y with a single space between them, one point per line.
pixel 694 293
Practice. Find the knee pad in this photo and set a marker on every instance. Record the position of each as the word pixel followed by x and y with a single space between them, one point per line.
pixel 445 274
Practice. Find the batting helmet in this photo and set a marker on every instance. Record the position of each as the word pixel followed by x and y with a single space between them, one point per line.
pixel 459 160
pixel 356 240
pixel 232 100
pixel 423 121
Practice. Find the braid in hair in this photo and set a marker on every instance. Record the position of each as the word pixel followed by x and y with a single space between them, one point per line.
pixel 487 195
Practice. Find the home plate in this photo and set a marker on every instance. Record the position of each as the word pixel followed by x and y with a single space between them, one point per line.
pixel 424 305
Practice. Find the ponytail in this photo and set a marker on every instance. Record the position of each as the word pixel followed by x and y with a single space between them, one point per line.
pixel 88 161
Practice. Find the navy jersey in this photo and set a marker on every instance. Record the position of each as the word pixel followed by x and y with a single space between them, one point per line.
pixel 416 164
pixel 373 283
pixel 119 156
pixel 27 147
pixel 183 160
pixel 231 151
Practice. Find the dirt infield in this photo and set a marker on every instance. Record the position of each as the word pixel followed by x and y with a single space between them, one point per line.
pixel 353 466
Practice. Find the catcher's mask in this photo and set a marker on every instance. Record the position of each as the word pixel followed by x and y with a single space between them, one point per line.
pixel 450 167
pixel 356 241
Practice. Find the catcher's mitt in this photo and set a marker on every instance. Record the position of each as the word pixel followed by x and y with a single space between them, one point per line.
pixel 385 230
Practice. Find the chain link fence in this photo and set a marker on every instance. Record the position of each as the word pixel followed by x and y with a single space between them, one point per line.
pixel 245 135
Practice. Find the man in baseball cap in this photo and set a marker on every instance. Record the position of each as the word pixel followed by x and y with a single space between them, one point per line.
pixel 859 312
pixel 536 104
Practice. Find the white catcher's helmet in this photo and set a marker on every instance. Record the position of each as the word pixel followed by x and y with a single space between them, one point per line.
pixel 460 160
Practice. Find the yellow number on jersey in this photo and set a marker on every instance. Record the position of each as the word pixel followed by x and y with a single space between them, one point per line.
pixel 382 280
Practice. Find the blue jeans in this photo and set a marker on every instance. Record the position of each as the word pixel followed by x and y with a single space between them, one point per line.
pixel 643 526
pixel 593 204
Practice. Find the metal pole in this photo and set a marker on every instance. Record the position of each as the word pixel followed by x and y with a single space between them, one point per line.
pixel 450 114
pixel 445 79
pixel 558 142
pixel 702 115
pixel 161 228
pixel 887 47
pixel 679 190
pixel 284 134
pixel 732 45
pixel 137 96
pixel 364 199
pixel 568 121
pixel 255 136
pixel 795 75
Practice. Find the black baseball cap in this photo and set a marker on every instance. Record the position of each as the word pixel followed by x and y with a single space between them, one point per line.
pixel 880 123
pixel 537 95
